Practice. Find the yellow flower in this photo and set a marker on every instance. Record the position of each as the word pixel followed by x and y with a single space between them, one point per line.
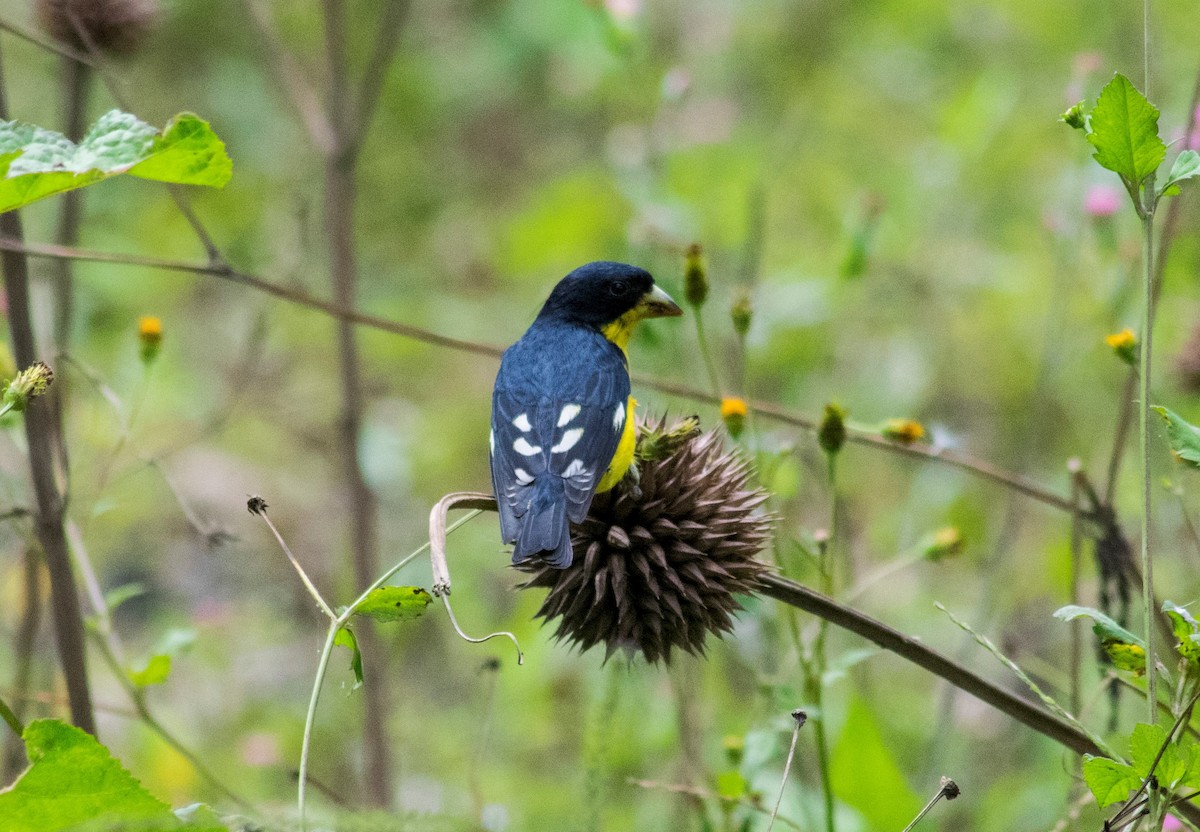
pixel 150 333
pixel 1124 344
pixel 733 413
pixel 904 431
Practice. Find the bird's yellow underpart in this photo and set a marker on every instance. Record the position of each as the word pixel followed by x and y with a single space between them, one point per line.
pixel 623 458
pixel 621 330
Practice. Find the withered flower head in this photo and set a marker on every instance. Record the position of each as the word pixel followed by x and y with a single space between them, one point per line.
pixel 114 26
pixel 660 570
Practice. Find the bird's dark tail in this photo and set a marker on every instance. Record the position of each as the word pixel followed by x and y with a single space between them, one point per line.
pixel 544 530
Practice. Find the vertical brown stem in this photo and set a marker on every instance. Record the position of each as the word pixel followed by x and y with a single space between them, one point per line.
pixel 76 80
pixel 340 203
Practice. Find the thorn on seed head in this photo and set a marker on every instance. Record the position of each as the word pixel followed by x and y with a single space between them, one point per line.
pixel 256 505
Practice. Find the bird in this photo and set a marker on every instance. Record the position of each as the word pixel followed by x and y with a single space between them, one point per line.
pixel 562 425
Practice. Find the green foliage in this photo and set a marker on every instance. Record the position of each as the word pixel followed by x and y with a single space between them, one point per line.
pixel 1177 767
pixel 1124 131
pixel 345 638
pixel 866 775
pixel 1127 651
pixel 394 603
pixel 37 163
pixel 1109 781
pixel 156 670
pixel 1186 630
pixel 1186 166
pixel 73 783
pixel 1183 436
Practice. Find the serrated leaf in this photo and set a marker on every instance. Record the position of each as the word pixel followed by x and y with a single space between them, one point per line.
pixel 199 817
pixel 395 603
pixel 1109 781
pixel 37 163
pixel 154 672
pixel 1185 628
pixel 1144 745
pixel 1124 131
pixel 345 638
pixel 1183 436
pixel 1186 166
pixel 72 779
pixel 1192 779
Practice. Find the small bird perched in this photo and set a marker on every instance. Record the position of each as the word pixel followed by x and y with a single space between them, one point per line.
pixel 562 416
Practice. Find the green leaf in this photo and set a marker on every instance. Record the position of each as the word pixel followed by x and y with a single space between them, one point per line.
pixel 199 817
pixel 731 785
pixel 1192 779
pixel 1125 656
pixel 862 757
pixel 155 672
pixel 1144 744
pixel 119 595
pixel 1109 781
pixel 74 780
pixel 345 638
pixel 1185 629
pixel 1183 436
pixel 395 603
pixel 1187 166
pixel 187 153
pixel 36 163
pixel 1124 131
pixel 1103 626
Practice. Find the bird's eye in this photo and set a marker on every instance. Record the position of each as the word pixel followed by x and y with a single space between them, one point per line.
pixel 618 287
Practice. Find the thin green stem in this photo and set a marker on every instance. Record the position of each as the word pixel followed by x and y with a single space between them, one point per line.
pixel 9 716
pixel 816 678
pixel 709 366
pixel 311 717
pixel 1143 413
pixel 304 579
pixel 336 623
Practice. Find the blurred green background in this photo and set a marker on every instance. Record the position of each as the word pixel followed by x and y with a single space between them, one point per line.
pixel 919 236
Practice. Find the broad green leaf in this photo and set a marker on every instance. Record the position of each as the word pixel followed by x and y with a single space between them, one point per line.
pixel 187 153
pixel 1185 628
pixel 345 638
pixel 1186 166
pixel 73 780
pixel 1192 779
pixel 862 757
pixel 1125 656
pixel 395 603
pixel 1183 436
pixel 1110 781
pixel 37 163
pixel 1124 131
pixel 1144 744
pixel 156 671
pixel 199 817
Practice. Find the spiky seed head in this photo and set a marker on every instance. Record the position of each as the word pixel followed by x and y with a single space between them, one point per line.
pixel 28 384
pixel 660 570
pixel 113 26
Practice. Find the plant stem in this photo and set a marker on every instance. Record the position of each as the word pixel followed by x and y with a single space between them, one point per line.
pixel 1143 413
pixel 816 676
pixel 44 434
pixel 6 713
pixel 709 366
pixel 311 717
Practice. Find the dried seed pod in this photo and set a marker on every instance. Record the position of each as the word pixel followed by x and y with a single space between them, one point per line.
pixel 112 26
pixel 661 570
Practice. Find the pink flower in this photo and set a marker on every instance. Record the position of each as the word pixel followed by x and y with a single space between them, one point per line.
pixel 1102 201
pixel 1172 824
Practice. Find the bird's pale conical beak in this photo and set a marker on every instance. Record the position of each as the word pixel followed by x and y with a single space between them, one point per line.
pixel 658 304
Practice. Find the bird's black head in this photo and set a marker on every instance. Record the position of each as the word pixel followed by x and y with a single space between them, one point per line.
pixel 600 293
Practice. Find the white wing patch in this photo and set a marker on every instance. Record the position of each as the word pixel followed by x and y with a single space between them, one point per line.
pixel 619 417
pixel 523 447
pixel 575 469
pixel 569 439
pixel 523 476
pixel 569 412
pixel 522 423
pixel 492 441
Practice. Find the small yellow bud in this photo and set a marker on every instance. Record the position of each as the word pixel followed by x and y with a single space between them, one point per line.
pixel 733 413
pixel 946 542
pixel 1125 345
pixel 695 276
pixel 741 312
pixel 831 434
pixel 735 748
pixel 29 384
pixel 150 334
pixel 1075 117
pixel 904 431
